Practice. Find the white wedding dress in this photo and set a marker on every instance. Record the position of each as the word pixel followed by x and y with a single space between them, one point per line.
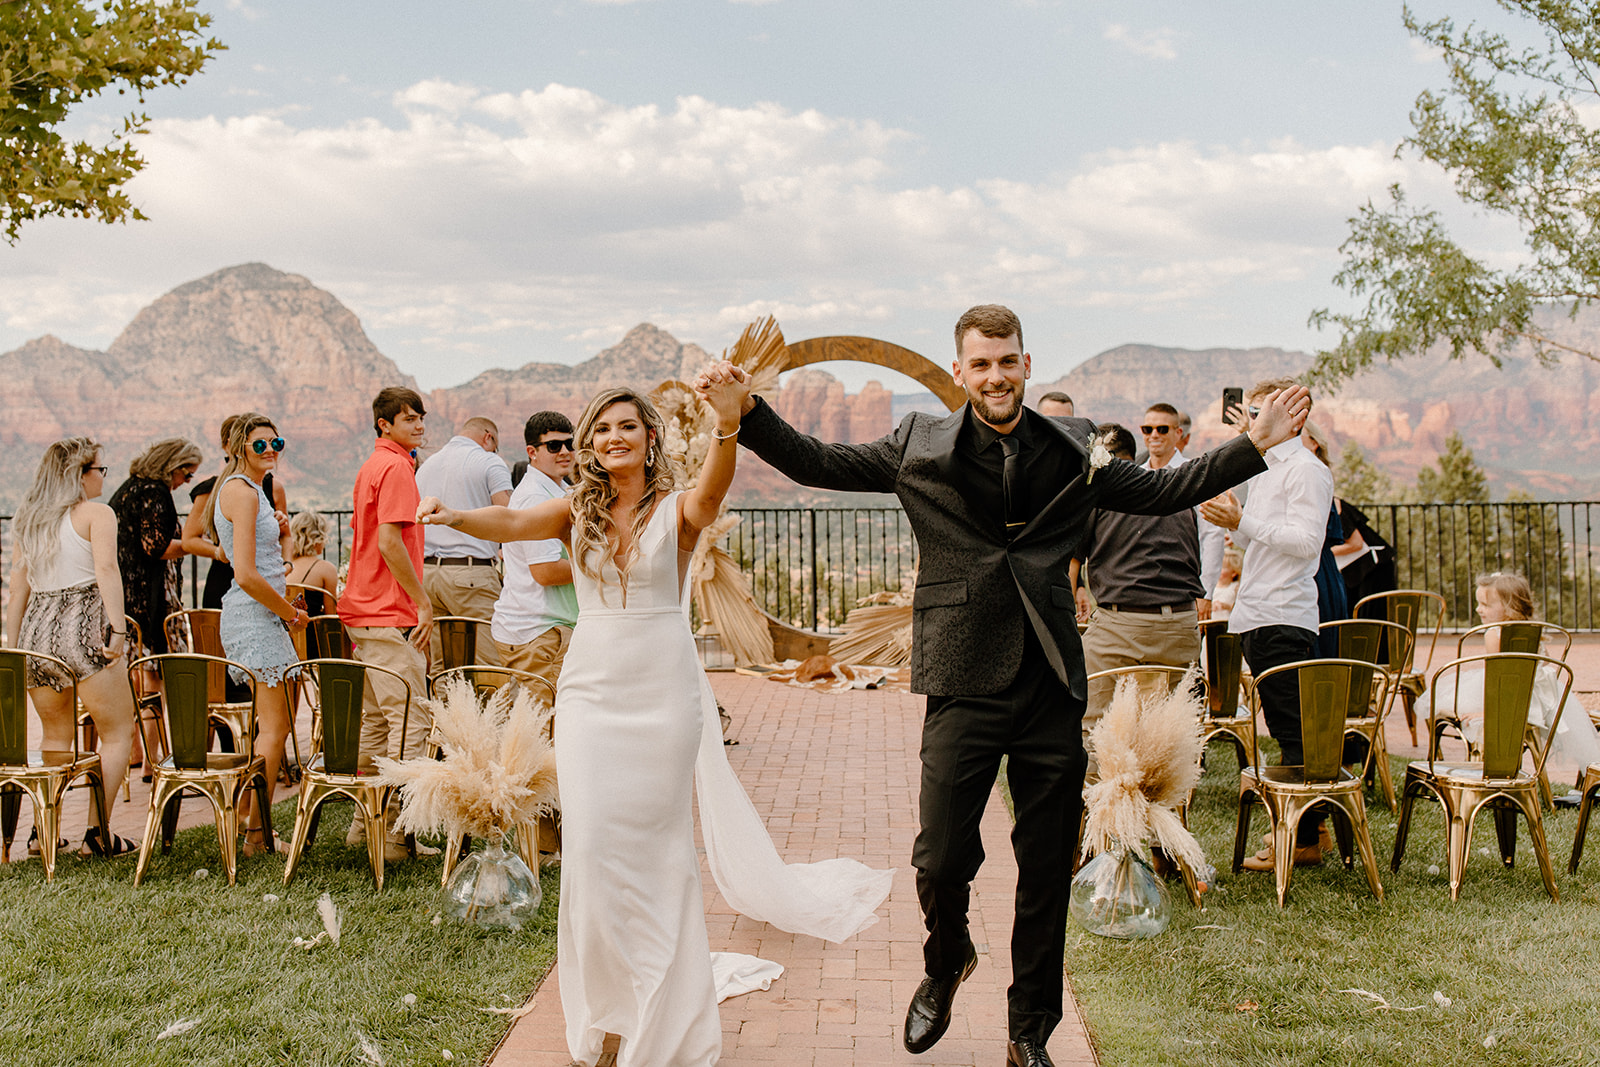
pixel 1576 742
pixel 636 730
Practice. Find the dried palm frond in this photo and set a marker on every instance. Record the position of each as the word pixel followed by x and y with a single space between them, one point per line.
pixel 498 770
pixel 876 634
pixel 1148 751
pixel 725 601
pixel 761 352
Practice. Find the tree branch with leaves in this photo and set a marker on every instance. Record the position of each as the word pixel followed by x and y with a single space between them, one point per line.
pixel 1510 129
pixel 55 54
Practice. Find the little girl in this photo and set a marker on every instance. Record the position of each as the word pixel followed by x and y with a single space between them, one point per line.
pixel 1508 598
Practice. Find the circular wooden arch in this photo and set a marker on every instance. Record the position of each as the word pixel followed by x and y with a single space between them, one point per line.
pixel 879 354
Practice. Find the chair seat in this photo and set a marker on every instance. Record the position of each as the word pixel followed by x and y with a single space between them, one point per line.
pixel 1293 778
pixel 318 767
pixel 1468 774
pixel 40 763
pixel 215 762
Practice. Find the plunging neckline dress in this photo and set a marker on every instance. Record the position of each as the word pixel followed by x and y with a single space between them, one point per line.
pixel 637 737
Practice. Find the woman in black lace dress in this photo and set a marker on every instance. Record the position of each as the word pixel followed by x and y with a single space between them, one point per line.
pixel 148 546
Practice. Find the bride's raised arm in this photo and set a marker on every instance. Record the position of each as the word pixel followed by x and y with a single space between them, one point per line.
pixel 725 387
pixel 550 519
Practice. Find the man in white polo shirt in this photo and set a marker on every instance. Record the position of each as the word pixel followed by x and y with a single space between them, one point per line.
pixel 534 618
pixel 458 572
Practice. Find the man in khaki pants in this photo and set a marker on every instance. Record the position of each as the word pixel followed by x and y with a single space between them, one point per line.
pixel 383 606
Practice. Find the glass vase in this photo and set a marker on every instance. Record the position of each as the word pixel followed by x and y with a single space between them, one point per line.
pixel 493 889
pixel 1117 894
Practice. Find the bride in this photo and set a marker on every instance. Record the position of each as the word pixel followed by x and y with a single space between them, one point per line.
pixel 636 724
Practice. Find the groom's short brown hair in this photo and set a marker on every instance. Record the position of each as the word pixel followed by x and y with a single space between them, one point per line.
pixel 990 320
pixel 1271 385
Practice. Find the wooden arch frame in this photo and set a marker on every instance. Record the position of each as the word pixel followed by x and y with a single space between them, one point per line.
pixel 880 354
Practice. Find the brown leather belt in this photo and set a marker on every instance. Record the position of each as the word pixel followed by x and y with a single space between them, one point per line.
pixel 458 561
pixel 1150 609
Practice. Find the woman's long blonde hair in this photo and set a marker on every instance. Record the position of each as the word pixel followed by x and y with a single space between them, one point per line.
pixel 594 495
pixel 57 487
pixel 160 460
pixel 238 438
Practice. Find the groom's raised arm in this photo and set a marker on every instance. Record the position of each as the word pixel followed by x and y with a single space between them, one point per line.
pixel 862 468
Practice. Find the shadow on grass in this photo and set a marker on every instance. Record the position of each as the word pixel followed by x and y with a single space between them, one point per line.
pixel 93 969
pixel 1243 981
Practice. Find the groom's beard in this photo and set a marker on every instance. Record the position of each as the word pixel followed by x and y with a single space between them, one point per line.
pixel 995 416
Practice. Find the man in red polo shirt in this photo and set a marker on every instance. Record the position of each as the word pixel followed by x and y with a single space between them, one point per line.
pixel 383 606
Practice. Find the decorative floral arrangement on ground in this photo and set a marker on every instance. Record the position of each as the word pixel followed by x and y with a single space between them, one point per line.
pixel 1147 746
pixel 498 771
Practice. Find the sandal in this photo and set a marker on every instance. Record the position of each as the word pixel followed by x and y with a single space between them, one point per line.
pixel 33 843
pixel 254 845
pixel 118 846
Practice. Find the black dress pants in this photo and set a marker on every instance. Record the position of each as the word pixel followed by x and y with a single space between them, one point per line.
pixel 1035 722
pixel 1272 646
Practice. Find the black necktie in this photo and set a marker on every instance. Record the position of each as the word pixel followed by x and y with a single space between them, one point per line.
pixel 1011 483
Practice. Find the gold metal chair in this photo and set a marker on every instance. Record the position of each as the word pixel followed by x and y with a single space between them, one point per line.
pixel 1497 781
pixel 339 686
pixel 1368 640
pixel 1529 635
pixel 1588 786
pixel 43 777
pixel 1156 681
pixel 190 769
pixel 1332 692
pixel 486 681
pixel 1413 609
pixel 1227 716
pixel 200 631
pixel 330 601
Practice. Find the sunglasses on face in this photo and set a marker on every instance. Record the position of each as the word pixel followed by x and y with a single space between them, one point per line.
pixel 555 448
pixel 261 444
pixel 102 470
pixel 1162 430
pixel 1254 412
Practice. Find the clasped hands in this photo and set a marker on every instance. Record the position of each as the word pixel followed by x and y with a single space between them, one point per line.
pixel 726 387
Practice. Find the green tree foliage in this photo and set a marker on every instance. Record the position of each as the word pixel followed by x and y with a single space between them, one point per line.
pixel 1458 479
pixel 54 54
pixel 1510 128
pixel 1357 478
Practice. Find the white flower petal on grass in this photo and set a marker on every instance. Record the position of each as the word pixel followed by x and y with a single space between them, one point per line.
pixel 437 919
pixel 269 898
pixel 1440 999
pixel 511 1013
pixel 447 1054
pixel 201 872
pixel 1433 868
pixel 369 1051
pixel 182 1026
pixel 330 916
pixel 409 999
pixel 1489 1042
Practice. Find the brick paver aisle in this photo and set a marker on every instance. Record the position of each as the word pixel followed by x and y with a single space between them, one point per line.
pixel 836 775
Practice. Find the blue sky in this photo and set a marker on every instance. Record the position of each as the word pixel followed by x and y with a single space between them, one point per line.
pixel 489 182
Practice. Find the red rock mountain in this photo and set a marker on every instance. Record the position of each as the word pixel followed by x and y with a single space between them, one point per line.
pixel 255 338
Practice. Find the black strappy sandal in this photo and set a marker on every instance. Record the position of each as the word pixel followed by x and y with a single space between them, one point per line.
pixel 33 843
pixel 118 846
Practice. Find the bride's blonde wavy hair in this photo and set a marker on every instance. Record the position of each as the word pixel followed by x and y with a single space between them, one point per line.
pixel 594 495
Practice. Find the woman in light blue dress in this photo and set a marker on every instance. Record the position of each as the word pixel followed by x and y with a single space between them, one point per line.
pixel 256 615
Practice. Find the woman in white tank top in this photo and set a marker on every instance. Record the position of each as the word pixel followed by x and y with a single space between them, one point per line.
pixel 66 601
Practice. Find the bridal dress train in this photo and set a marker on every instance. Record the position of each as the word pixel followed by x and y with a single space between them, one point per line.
pixel 637 736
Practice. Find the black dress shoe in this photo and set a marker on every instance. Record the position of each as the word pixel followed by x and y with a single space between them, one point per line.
pixel 929 1015
pixel 1028 1053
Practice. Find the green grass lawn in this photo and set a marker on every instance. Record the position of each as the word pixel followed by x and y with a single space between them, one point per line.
pixel 1243 982
pixel 92 969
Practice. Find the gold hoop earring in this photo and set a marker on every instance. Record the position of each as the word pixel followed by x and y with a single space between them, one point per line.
pixel 650 457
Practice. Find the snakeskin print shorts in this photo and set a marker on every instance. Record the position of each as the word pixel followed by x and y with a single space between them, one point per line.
pixel 69 624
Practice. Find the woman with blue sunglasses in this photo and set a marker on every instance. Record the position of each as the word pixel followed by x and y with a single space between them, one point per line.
pixel 256 614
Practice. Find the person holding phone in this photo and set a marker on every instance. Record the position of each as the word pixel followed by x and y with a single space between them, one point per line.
pixel 256 614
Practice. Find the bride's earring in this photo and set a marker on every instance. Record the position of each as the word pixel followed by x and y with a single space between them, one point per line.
pixel 650 457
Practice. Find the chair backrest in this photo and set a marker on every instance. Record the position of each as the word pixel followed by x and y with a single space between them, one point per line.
pixel 1522 635
pixel 1508 688
pixel 135 640
pixel 341 688
pixel 326 638
pixel 1332 691
pixel 486 681
pixel 186 699
pixel 1222 661
pixel 457 637
pixel 202 630
pixel 1376 641
pixel 14 703
pixel 1412 608
pixel 312 593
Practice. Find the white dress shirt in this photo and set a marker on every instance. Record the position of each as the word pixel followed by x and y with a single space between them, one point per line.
pixel 527 609
pixel 1281 532
pixel 464 475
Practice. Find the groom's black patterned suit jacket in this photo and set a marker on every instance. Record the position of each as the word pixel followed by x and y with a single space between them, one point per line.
pixel 974 586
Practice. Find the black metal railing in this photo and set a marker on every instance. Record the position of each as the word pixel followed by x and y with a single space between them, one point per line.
pixel 810 566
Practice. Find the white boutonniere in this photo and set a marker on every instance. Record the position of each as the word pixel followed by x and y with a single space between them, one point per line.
pixel 1099 455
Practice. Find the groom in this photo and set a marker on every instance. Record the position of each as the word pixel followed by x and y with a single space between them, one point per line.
pixel 999 497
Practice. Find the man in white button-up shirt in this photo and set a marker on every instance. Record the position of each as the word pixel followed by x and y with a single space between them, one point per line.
pixel 1281 530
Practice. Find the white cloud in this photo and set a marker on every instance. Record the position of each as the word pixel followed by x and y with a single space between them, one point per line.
pixel 1152 44
pixel 472 229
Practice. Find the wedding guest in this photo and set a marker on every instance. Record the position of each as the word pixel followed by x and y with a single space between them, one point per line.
pixel 308 539
pixel 66 601
pixel 219 576
pixel 148 550
pixel 256 615
pixel 1055 404
pixel 1333 601
pixel 533 619
pixel 385 610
